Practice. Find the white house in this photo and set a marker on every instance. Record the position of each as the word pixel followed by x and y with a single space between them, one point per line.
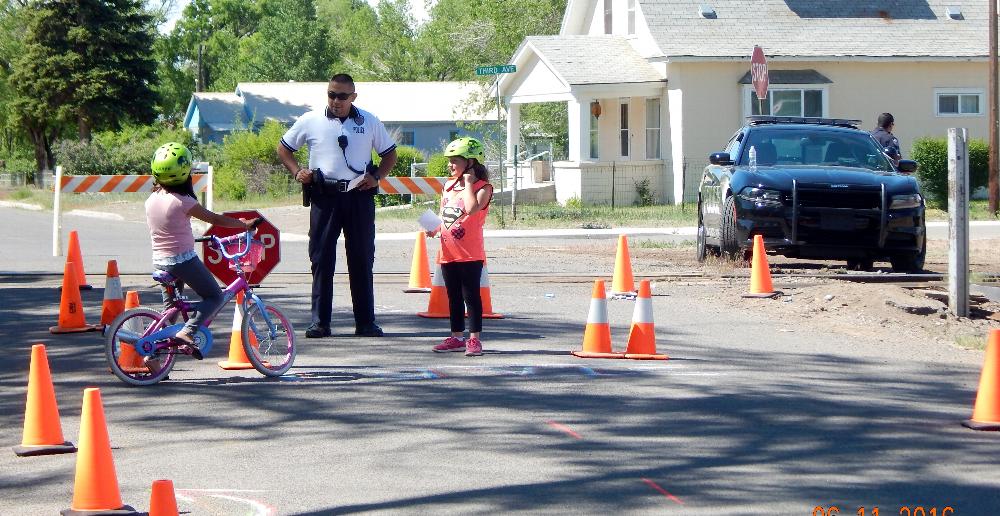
pixel 653 86
pixel 425 115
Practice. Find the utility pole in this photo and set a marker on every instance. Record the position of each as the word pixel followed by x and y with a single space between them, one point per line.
pixel 993 186
pixel 199 82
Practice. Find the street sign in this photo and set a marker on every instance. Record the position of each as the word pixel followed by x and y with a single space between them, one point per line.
pixel 758 71
pixel 269 235
pixel 495 69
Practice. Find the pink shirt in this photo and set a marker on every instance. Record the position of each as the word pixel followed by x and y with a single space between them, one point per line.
pixel 461 234
pixel 169 223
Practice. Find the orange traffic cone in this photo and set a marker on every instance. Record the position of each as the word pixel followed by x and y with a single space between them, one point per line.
pixel 484 293
pixel 986 413
pixel 642 336
pixel 622 282
pixel 420 273
pixel 128 359
pixel 437 305
pixel 237 355
pixel 597 335
pixel 42 430
pixel 162 501
pixel 95 489
pixel 114 302
pixel 71 318
pixel 760 272
pixel 73 255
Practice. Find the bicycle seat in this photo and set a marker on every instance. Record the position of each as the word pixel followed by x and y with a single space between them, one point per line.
pixel 163 277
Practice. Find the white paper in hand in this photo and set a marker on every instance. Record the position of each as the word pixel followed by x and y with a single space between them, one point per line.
pixel 430 221
pixel 355 182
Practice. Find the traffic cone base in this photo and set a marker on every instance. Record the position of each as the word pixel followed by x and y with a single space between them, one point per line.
pixel 125 510
pixel 417 290
pixel 986 412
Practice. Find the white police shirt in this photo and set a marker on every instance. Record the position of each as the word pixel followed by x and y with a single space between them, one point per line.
pixel 364 132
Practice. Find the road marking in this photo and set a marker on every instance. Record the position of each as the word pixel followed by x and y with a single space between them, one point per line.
pixel 563 428
pixel 662 491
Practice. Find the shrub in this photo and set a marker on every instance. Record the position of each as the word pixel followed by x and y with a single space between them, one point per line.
pixel 932 155
pixel 437 166
pixel 126 151
pixel 249 164
pixel 645 196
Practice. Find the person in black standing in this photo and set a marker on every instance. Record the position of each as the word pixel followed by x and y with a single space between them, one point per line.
pixel 340 138
pixel 887 140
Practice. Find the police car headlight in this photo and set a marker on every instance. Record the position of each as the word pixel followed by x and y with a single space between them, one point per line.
pixel 900 202
pixel 761 196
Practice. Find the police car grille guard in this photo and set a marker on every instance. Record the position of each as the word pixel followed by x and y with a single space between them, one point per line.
pixel 867 202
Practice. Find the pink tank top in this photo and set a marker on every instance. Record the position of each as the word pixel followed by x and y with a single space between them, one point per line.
pixel 461 234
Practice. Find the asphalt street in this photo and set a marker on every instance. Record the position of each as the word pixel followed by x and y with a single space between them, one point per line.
pixel 749 415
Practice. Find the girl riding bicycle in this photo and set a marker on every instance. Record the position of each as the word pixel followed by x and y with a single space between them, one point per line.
pixel 168 214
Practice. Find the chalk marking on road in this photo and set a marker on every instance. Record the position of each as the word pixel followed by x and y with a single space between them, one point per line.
pixel 95 214
pixel 260 508
pixel 662 491
pixel 22 205
pixel 565 429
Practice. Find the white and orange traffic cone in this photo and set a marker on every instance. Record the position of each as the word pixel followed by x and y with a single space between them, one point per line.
pixel 237 355
pixel 642 336
pixel 437 305
pixel 114 301
pixel 597 335
pixel 484 294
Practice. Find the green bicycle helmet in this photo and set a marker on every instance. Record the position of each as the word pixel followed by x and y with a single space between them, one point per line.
pixel 466 147
pixel 171 164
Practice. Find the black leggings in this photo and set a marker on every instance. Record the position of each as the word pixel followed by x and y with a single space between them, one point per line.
pixel 461 279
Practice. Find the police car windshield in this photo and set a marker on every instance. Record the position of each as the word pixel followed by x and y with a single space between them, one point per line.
pixel 798 146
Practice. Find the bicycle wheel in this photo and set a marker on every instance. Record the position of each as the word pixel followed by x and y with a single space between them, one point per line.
pixel 123 360
pixel 271 353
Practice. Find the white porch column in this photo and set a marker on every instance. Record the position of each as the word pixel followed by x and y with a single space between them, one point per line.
pixel 513 128
pixel 579 129
pixel 675 108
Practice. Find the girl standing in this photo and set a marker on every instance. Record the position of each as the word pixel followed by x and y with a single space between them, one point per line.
pixel 464 207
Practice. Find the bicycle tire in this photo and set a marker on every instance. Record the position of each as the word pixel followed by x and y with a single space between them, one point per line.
pixel 128 327
pixel 269 356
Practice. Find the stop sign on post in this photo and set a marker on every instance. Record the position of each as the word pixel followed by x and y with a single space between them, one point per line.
pixel 266 233
pixel 758 72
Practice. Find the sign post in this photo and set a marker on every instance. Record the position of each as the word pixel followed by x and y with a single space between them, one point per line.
pixel 268 235
pixel 758 72
pixel 497 70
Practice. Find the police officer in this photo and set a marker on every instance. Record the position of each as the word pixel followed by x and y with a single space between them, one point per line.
pixel 887 140
pixel 342 184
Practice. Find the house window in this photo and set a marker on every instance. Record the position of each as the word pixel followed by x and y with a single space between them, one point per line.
pixel 406 138
pixel 452 135
pixel 958 102
pixel 631 16
pixel 593 137
pixel 623 109
pixel 807 102
pixel 607 16
pixel 652 128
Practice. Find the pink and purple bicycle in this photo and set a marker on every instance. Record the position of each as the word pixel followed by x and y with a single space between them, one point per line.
pixel 267 336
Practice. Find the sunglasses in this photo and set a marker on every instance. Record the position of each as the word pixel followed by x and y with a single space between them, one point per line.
pixel 338 96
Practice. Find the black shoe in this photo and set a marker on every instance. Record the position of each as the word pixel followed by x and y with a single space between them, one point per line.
pixel 369 331
pixel 316 331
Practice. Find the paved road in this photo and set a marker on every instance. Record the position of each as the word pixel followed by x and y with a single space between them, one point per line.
pixel 744 418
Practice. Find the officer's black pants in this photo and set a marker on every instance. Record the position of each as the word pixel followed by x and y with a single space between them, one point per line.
pixel 354 213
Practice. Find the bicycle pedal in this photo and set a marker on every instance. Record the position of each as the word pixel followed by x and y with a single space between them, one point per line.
pixel 196 353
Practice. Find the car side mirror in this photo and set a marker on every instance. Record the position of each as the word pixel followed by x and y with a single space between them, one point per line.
pixel 720 158
pixel 907 166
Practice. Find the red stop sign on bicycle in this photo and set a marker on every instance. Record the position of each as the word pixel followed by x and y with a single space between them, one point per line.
pixel 266 233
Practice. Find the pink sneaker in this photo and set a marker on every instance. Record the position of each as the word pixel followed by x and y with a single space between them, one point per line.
pixel 450 344
pixel 473 347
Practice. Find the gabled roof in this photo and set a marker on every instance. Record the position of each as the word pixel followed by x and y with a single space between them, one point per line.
pixel 819 28
pixel 580 60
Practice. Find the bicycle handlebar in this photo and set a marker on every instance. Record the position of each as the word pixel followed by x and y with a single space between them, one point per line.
pixel 220 243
